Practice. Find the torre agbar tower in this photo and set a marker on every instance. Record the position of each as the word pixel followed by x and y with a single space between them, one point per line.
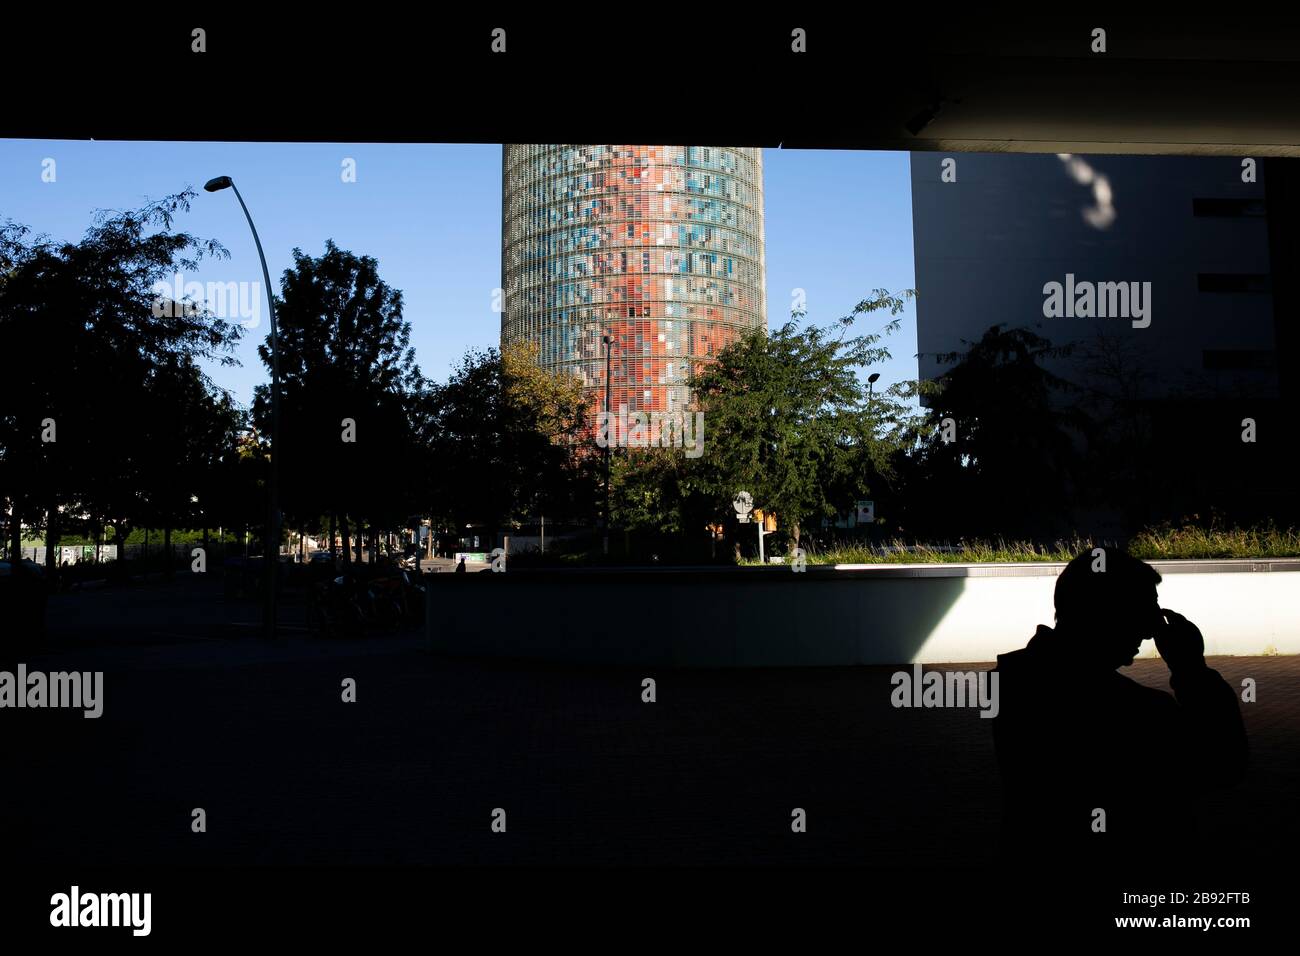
pixel 660 247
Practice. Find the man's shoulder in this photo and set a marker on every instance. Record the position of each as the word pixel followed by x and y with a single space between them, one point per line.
pixel 1014 659
pixel 1031 655
pixel 1126 688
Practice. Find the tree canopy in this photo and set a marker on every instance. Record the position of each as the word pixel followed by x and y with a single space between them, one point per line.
pixel 92 431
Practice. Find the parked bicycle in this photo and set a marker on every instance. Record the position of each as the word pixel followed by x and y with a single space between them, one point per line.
pixel 367 600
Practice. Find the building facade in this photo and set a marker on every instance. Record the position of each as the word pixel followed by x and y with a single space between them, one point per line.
pixel 1171 279
pixel 1162 262
pixel 659 247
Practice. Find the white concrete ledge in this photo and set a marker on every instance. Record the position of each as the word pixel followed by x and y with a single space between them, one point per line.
pixel 876 614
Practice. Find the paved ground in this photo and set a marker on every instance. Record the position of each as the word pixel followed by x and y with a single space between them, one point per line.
pixel 200 712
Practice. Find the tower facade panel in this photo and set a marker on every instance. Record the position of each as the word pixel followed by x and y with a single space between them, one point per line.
pixel 660 247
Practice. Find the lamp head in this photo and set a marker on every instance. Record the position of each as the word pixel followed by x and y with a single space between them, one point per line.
pixel 221 182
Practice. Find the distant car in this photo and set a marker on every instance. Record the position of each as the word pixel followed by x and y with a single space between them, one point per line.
pixel 22 597
pixel 26 568
pixel 319 567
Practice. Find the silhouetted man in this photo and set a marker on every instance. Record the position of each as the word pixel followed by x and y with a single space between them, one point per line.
pixel 1096 767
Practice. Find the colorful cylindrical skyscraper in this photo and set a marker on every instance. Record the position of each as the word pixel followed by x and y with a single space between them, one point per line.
pixel 660 247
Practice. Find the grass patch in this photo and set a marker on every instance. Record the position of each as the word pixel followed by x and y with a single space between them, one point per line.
pixel 1190 541
pixel 1166 543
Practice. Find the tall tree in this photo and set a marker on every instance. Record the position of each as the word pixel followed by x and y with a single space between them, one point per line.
pixel 78 320
pixel 509 441
pixel 348 378
pixel 789 418
pixel 1015 436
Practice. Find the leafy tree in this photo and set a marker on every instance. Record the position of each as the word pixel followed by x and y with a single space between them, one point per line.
pixel 547 429
pixel 1015 458
pixel 344 353
pixel 790 419
pixel 508 440
pixel 190 425
pixel 78 323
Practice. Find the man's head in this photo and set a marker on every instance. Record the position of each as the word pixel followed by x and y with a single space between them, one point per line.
pixel 1106 605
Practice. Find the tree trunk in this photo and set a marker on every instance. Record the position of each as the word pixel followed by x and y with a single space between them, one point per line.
pixel 333 530
pixel 119 539
pixel 15 535
pixel 52 547
pixel 347 541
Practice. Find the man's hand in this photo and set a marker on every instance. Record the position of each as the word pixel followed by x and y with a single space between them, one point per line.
pixel 1179 642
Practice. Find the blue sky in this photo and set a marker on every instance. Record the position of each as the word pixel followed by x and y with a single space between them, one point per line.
pixel 838 224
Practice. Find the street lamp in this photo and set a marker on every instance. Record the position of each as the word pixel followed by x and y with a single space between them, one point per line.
pixel 273 496
pixel 871 381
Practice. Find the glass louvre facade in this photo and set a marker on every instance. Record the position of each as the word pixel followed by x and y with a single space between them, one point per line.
pixel 659 246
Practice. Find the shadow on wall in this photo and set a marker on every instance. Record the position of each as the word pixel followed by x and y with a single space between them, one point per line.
pixel 772 617
pixel 691 618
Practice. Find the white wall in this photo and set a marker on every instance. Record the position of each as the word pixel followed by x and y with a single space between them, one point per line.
pixel 1237 613
pixel 763 617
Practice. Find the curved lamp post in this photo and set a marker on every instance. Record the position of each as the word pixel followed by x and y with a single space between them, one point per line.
pixel 272 544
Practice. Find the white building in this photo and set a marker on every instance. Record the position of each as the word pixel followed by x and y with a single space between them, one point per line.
pixel 1186 236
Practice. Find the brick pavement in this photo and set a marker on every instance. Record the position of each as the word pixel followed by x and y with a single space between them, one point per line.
pixel 257 735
